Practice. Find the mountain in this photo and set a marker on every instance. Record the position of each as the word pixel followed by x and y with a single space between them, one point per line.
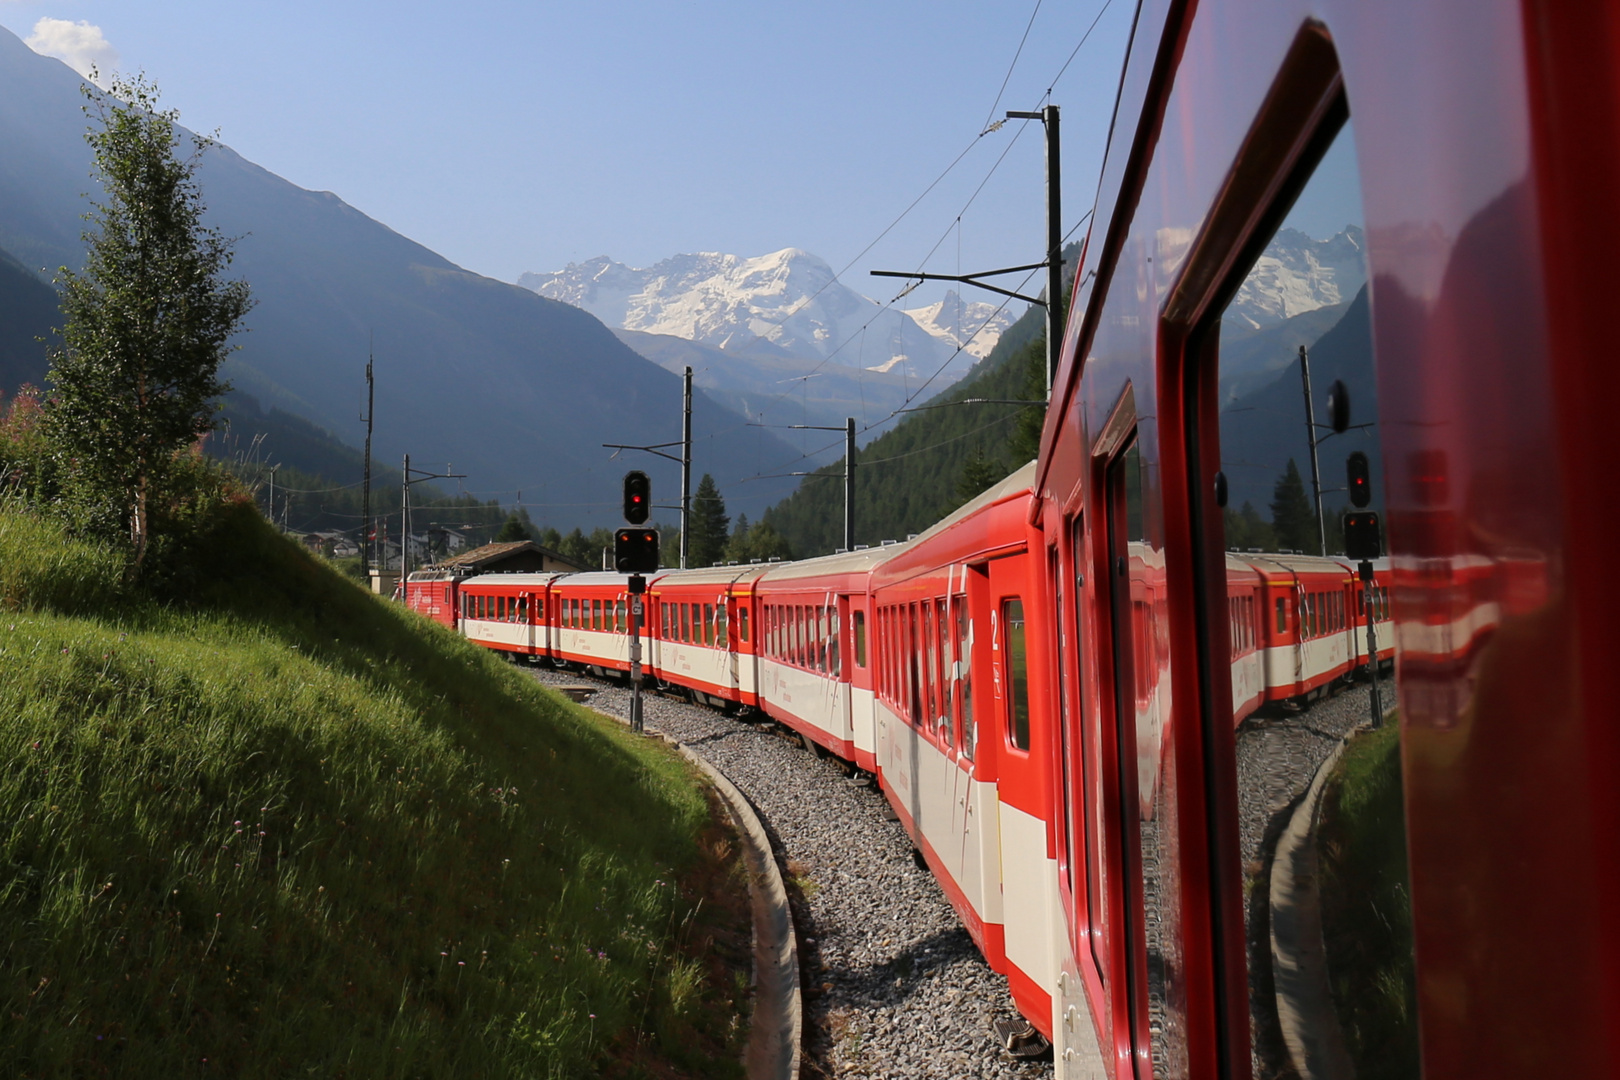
pixel 515 390
pixel 1251 358
pixel 1262 429
pixel 974 326
pixel 780 387
pixel 913 475
pixel 27 312
pixel 787 303
pixel 1297 274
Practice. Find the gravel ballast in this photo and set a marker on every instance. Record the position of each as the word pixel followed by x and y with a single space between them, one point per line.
pixel 893 985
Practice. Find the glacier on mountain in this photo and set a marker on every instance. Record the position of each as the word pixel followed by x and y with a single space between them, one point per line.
pixel 786 303
pixel 1298 273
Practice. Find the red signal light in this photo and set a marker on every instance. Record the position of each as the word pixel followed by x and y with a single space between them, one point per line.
pixel 637 492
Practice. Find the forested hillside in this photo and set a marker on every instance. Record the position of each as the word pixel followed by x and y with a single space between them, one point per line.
pixel 938 457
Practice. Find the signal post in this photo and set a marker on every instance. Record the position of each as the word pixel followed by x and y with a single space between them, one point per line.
pixel 1363 542
pixel 635 552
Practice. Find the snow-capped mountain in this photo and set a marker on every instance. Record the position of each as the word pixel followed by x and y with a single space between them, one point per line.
pixel 1298 274
pixel 973 325
pixel 786 303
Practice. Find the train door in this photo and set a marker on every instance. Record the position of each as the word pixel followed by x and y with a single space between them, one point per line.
pixel 1013 726
pixel 1149 882
pixel 1313 958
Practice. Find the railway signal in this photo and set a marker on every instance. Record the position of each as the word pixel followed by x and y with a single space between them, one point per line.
pixel 638 497
pixel 635 551
pixel 1360 474
pixel 1362 541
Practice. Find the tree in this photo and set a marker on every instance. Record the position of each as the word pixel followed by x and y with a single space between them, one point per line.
pixel 147 321
pixel 708 523
pixel 1246 530
pixel 514 529
pixel 978 473
pixel 1025 442
pixel 1292 517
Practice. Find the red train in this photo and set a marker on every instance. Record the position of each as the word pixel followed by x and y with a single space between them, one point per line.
pixel 871 655
pixel 1051 684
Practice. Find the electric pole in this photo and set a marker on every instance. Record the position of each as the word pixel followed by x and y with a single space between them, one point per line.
pixel 1310 435
pixel 365 489
pixel 1053 301
pixel 849 485
pixel 686 465
pixel 1054 240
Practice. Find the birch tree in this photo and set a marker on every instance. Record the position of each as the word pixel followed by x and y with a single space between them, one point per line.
pixel 148 320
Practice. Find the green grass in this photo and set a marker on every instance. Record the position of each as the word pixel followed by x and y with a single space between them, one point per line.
pixel 1367 909
pixel 278 827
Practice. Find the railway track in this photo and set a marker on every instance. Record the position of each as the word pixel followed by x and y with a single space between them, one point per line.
pixel 893 985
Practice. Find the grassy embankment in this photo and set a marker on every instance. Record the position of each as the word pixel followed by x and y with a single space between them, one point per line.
pixel 278 827
pixel 1366 906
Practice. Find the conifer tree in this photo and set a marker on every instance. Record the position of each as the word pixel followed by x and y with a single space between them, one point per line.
pixel 512 530
pixel 147 322
pixel 1292 518
pixel 709 524
pixel 978 473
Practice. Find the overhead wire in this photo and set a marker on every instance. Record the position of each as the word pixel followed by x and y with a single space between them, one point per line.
pixel 912 395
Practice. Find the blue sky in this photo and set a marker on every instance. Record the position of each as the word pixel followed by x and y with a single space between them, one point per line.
pixel 512 136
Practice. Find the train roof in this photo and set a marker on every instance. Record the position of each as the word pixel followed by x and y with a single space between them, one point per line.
pixel 510 579
pixel 714 575
pixel 1020 479
pixel 859 561
pixel 599 579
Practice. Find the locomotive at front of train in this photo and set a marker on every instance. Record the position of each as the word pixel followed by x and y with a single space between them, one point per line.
pixel 1361 193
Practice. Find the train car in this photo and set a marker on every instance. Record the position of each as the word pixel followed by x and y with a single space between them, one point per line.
pixel 1307 630
pixel 1245 608
pixel 1463 157
pixel 590 616
pixel 961 626
pixel 815 667
pixel 507 612
pixel 434 594
pixel 706 641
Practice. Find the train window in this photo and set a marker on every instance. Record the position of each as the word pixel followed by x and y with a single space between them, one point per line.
pixel 1298 322
pixel 829 642
pixel 834 660
pixel 858 629
pixel 1015 655
pixel 742 624
pixel 926 649
pixel 947 669
pixel 706 635
pixel 964 677
pixel 720 626
pixel 914 690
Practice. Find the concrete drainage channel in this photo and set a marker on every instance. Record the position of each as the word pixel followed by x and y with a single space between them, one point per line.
pixel 777 1028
